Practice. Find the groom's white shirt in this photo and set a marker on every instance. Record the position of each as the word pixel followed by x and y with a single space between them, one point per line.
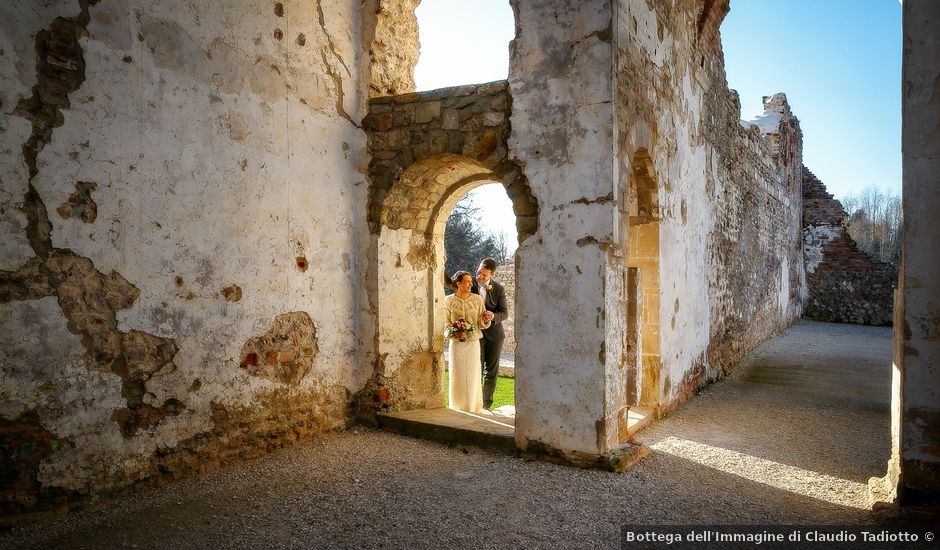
pixel 483 292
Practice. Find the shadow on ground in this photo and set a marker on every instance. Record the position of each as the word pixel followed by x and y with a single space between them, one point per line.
pixel 789 439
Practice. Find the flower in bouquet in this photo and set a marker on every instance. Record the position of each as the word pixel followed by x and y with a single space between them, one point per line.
pixel 459 329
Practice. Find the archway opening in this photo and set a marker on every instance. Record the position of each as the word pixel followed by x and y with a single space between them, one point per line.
pixel 643 282
pixel 482 225
pixel 410 343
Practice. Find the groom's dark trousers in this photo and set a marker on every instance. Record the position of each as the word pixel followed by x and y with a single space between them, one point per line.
pixel 492 343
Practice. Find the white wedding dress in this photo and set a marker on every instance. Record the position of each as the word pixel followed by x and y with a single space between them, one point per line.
pixel 465 390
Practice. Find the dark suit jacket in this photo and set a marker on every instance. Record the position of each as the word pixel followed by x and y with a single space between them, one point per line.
pixel 495 302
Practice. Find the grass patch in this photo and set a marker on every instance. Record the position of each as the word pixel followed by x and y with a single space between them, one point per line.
pixel 505 393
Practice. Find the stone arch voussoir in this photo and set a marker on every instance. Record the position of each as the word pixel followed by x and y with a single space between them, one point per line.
pixel 425 146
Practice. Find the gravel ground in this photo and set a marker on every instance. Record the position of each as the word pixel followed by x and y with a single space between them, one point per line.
pixel 790 438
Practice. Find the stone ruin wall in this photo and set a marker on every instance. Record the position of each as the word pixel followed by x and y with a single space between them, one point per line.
pixel 390 36
pixel 562 134
pixel 844 285
pixel 181 187
pixel 728 202
pixel 184 186
pixel 729 194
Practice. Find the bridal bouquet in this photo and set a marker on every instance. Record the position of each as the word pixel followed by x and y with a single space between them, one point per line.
pixel 459 329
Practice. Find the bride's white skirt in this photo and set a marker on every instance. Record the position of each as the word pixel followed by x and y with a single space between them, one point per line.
pixel 465 389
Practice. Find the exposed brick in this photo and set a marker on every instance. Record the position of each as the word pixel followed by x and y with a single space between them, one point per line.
pixel 844 284
pixel 292 341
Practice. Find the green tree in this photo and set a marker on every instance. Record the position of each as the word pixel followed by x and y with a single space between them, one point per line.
pixel 467 240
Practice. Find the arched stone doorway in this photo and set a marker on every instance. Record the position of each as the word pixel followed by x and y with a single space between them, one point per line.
pixel 410 276
pixel 428 151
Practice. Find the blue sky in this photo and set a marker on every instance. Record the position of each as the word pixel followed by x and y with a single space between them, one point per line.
pixel 838 61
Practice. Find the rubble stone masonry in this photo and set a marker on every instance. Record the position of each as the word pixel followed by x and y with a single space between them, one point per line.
pixel 843 284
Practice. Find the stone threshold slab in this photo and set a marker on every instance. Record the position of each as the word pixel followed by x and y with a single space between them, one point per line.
pixel 637 419
pixel 494 432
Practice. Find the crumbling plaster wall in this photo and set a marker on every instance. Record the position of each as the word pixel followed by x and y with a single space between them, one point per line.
pixel 184 226
pixel 390 35
pixel 729 202
pixel 562 134
pixel 592 86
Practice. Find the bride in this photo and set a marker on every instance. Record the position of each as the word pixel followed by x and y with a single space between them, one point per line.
pixel 465 389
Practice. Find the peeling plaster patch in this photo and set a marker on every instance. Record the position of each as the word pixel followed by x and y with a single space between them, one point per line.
pixel 609 197
pixel 584 241
pixel 421 253
pixel 232 293
pixel 80 204
pixel 60 70
pixel 87 297
pixel 331 70
pixel 33 368
pixel 815 239
pixel 144 416
pixel 234 122
pixel 29 282
pixel 285 353
pixel 89 300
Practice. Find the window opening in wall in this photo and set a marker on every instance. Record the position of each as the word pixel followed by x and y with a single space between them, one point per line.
pixel 463 42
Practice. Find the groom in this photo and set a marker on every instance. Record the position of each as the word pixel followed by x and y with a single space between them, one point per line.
pixel 494 299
